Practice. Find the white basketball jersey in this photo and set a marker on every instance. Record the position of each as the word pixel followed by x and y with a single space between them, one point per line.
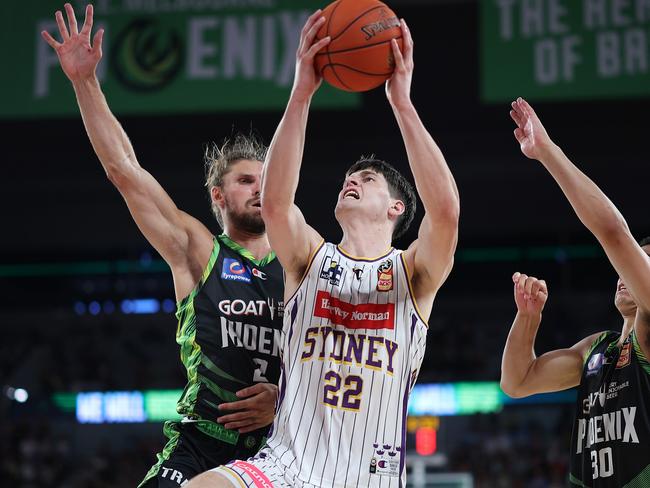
pixel 353 342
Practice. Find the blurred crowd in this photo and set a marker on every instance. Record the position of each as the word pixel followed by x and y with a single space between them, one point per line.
pixel 42 447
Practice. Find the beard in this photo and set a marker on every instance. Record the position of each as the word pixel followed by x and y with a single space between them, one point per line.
pixel 247 222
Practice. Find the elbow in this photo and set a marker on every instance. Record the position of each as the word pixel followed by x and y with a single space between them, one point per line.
pixel 117 178
pixel 449 213
pixel 511 390
pixel 612 228
pixel 121 175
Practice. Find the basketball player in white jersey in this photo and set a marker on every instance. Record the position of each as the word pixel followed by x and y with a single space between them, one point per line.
pixel 355 326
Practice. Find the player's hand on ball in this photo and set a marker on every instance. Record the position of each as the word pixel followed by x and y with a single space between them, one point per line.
pixel 530 133
pixel 530 294
pixel 306 80
pixel 257 410
pixel 77 57
pixel 398 86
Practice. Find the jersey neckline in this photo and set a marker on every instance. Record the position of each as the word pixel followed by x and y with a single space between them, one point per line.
pixel 223 238
pixel 363 258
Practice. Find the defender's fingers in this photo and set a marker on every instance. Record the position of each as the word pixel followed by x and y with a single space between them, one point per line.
pixel 238 425
pixel 72 20
pixel 63 30
pixel 515 276
pixel 240 405
pixel 97 41
pixel 521 282
pixel 543 287
pixel 88 21
pixel 235 417
pixel 520 135
pixel 516 116
pixel 250 390
pixel 50 40
pixel 528 286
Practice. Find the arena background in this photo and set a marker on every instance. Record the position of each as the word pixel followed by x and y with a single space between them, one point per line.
pixel 87 305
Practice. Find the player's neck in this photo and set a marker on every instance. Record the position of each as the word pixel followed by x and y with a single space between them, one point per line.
pixel 365 241
pixel 628 325
pixel 257 244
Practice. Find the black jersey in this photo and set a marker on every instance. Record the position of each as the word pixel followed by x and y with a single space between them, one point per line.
pixel 610 445
pixel 229 331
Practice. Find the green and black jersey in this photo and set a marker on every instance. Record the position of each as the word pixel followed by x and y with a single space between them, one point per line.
pixel 229 330
pixel 229 333
pixel 610 445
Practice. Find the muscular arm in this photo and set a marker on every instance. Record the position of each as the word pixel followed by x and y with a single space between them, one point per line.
pixel 167 228
pixel 591 205
pixel 290 236
pixel 181 240
pixel 522 372
pixel 431 255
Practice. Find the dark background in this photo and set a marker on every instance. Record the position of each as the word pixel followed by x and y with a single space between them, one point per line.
pixel 58 207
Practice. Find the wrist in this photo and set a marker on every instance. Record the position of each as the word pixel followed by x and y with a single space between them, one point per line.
pixel 530 318
pixel 86 83
pixel 402 107
pixel 549 152
pixel 299 97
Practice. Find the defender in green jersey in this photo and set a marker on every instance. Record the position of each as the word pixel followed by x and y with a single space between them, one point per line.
pixel 228 288
pixel 611 433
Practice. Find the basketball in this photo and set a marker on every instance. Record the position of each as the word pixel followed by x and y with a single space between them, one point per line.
pixel 359 56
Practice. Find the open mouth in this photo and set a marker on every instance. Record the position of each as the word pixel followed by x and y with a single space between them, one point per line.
pixel 351 193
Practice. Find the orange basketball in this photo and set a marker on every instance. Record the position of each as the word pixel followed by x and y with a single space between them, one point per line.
pixel 359 57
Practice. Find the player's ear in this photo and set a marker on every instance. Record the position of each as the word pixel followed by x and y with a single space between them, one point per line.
pixel 217 196
pixel 396 208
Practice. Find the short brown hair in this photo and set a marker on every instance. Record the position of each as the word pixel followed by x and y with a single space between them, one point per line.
pixel 219 160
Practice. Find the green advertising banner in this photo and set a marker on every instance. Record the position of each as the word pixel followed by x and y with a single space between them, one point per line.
pixel 162 56
pixel 565 49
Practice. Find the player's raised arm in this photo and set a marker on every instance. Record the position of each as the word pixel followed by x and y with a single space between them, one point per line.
pixel 432 253
pixel 522 372
pixel 176 236
pixel 290 236
pixel 591 205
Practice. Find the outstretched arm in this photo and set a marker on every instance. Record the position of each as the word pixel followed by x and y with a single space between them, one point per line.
pixel 290 236
pixel 591 205
pixel 181 240
pixel 431 255
pixel 522 372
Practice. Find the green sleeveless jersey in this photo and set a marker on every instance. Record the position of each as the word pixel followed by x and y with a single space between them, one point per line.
pixel 610 445
pixel 229 334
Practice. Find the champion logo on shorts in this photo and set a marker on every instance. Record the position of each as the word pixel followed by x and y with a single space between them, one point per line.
pixel 259 478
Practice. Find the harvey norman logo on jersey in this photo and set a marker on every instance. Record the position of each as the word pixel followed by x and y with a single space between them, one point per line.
pixel 361 316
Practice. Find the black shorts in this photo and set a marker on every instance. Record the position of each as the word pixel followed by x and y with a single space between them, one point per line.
pixel 189 452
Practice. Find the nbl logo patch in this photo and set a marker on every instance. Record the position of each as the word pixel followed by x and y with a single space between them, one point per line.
pixel 233 270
